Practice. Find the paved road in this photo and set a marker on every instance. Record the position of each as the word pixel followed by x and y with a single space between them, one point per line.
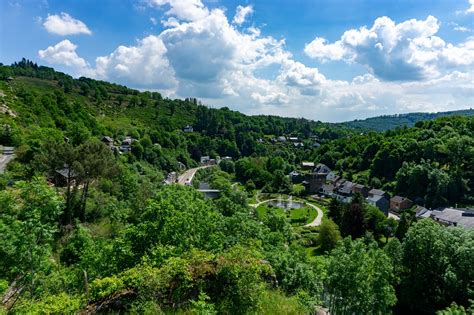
pixel 187 177
pixel 4 159
pixel 315 222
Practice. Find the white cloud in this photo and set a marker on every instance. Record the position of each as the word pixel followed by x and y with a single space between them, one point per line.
pixel 471 8
pixel 64 53
pixel 242 13
pixel 64 24
pixel 405 51
pixel 295 74
pixel 154 21
pixel 201 53
pixel 141 66
pixel 186 10
pixel 462 29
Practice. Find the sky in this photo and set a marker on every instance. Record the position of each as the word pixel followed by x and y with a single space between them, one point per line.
pixel 327 60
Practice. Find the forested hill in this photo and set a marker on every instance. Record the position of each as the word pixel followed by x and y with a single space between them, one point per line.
pixel 43 97
pixel 387 122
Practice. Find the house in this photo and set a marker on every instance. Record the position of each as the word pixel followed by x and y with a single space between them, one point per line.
pixel 344 192
pixel 361 189
pixel 378 192
pixel 307 165
pixel 107 141
pixel 398 203
pixel 313 182
pixel 293 139
pixel 328 189
pixel 296 177
pixel 339 182
pixel 64 176
pixel 454 217
pixel 281 139
pixel 331 177
pixel 171 178
pixel 9 79
pixel 380 202
pixel 126 145
pixel 188 129
pixel 316 145
pixel 205 159
pixel 226 158
pixel 422 212
pixel 298 144
pixel 321 169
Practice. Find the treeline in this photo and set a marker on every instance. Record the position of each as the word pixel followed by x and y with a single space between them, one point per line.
pixel 50 102
pixel 387 122
pixel 431 163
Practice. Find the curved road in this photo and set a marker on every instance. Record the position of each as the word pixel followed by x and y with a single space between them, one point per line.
pixel 187 177
pixel 315 222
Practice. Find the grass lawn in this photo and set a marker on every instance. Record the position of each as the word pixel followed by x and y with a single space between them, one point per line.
pixel 297 215
pixel 264 208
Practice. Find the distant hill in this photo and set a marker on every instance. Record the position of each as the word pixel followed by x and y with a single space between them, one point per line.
pixel 386 122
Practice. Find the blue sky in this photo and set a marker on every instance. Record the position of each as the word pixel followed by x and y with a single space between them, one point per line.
pixel 327 60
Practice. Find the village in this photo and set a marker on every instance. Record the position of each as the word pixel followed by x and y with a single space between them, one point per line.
pixel 321 182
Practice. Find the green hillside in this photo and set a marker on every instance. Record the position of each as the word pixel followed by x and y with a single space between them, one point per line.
pixel 387 122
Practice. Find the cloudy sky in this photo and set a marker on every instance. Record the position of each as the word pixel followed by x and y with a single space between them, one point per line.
pixel 329 60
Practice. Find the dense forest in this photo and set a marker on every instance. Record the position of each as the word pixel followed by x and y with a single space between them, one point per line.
pixel 113 238
pixel 387 122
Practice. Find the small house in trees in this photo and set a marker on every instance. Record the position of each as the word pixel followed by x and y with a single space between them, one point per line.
pixel 205 159
pixel 307 165
pixel 282 139
pixel 171 178
pixel 188 129
pixel 293 139
pixel 126 145
pixel 398 203
pixel 64 176
pixel 380 202
pixel 108 141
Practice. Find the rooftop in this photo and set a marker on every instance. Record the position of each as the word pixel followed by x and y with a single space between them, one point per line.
pixel 398 199
pixel 377 192
pixel 452 216
pixel 322 169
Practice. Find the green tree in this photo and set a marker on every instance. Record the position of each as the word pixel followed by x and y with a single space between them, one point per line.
pixel 360 279
pixel 329 235
pixel 28 221
pixel 436 271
